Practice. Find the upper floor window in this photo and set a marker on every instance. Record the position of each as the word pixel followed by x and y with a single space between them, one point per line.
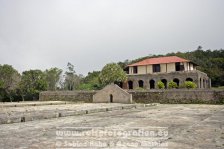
pixel 179 67
pixel 135 69
pixel 126 70
pixel 156 68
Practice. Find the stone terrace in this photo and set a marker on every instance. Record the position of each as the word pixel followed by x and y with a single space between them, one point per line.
pixel 29 111
pixel 189 126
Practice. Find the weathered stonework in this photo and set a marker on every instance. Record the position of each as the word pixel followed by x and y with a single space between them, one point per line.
pixel 178 96
pixel 148 96
pixel 75 96
pixel 200 78
pixel 112 94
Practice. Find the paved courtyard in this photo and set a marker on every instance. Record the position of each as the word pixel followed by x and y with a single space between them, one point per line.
pixel 188 127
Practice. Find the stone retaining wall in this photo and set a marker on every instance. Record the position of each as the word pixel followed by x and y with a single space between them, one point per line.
pixel 76 96
pixel 152 96
pixel 179 96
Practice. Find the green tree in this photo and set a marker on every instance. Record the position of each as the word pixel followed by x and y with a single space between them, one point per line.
pixel 92 77
pixel 52 78
pixel 9 80
pixel 91 81
pixel 32 82
pixel 123 64
pixel 160 85
pixel 72 80
pixel 112 73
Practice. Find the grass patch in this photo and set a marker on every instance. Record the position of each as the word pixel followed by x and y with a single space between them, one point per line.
pixel 218 88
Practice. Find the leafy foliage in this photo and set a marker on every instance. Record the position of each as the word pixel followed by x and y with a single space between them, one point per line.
pixel 112 73
pixel 91 81
pixel 172 84
pixel 189 84
pixel 9 79
pixel 52 78
pixel 72 80
pixel 160 85
pixel 32 82
pixel 140 89
pixel 123 64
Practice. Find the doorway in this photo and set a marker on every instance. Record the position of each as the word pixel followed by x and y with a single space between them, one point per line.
pixel 111 98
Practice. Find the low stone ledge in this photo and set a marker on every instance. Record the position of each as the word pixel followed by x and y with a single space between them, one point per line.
pixel 116 108
pixel 33 115
pixel 24 104
pixel 128 107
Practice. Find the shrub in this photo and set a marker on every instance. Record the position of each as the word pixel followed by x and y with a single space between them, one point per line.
pixel 140 89
pixel 160 85
pixel 189 84
pixel 172 84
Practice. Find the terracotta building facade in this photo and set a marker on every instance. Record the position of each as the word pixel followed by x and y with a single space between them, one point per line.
pixel 146 73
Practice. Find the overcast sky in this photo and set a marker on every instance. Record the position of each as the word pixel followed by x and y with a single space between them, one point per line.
pixel 40 34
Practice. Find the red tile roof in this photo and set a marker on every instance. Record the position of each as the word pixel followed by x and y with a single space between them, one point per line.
pixel 159 60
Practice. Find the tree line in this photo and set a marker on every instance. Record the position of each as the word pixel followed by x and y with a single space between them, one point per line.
pixel 27 86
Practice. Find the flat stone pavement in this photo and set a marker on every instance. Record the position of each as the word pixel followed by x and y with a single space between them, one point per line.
pixel 45 110
pixel 189 127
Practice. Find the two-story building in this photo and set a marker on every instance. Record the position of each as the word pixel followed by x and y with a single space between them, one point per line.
pixel 148 72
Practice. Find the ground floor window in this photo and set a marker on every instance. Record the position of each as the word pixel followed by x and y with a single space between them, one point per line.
pixel 165 82
pixel 176 81
pixel 130 85
pixel 152 84
pixel 141 83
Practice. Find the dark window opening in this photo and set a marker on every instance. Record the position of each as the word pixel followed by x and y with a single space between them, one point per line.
pixel 179 66
pixel 152 84
pixel 130 85
pixel 140 83
pixel 156 68
pixel 164 82
pixel 189 79
pixel 126 70
pixel 176 81
pixel 135 69
pixel 111 98
pixel 200 84
pixel 204 85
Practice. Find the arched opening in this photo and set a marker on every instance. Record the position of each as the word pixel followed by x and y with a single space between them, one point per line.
pixel 176 81
pixel 140 83
pixel 204 85
pixel 200 85
pixel 130 85
pixel 189 79
pixel 152 84
pixel 165 82
pixel 111 98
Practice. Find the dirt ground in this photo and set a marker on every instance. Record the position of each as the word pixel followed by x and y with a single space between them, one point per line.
pixel 184 126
